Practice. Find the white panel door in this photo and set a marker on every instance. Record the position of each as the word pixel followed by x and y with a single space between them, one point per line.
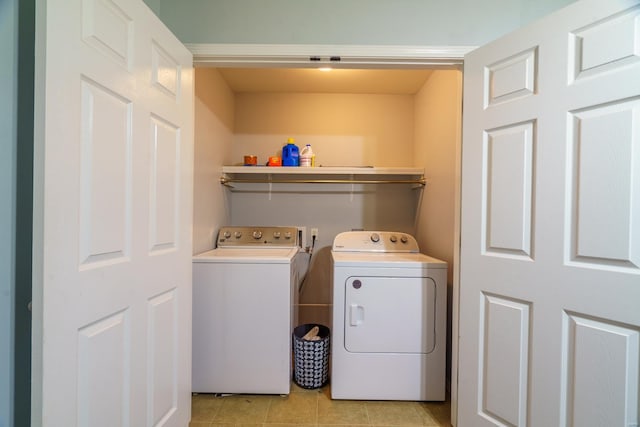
pixel 550 258
pixel 114 343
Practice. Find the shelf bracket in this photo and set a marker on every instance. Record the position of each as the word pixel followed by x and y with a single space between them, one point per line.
pixel 353 187
pixel 225 180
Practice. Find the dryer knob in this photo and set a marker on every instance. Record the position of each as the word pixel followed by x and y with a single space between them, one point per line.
pixel 227 234
pixel 287 234
pixel 375 237
pixel 404 239
pixel 276 234
pixel 237 234
pixel 257 234
pixel 393 238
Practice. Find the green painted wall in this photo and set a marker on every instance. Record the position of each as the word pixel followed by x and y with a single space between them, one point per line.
pixel 24 212
pixel 154 5
pixel 16 159
pixel 8 143
pixel 359 22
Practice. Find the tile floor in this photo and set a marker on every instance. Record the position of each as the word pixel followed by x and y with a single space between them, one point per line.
pixel 304 408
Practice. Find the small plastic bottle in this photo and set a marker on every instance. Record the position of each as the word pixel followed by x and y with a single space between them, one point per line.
pixel 307 158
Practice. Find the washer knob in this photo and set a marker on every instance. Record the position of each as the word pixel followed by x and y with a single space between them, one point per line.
pixel 237 234
pixel 276 234
pixel 257 234
pixel 393 238
pixel 404 239
pixel 375 237
pixel 287 234
pixel 227 234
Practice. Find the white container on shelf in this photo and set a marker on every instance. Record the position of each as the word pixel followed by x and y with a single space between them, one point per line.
pixel 307 158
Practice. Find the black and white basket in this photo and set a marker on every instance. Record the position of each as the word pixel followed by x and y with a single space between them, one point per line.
pixel 311 358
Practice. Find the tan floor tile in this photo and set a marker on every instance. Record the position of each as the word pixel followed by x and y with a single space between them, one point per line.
pixel 288 425
pixel 295 388
pixel 243 409
pixel 395 413
pixel 306 408
pixel 342 412
pixel 300 408
pixel 439 412
pixel 326 391
pixel 204 407
pixel 429 420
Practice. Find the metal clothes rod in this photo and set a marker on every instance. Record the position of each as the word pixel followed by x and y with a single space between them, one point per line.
pixel 226 181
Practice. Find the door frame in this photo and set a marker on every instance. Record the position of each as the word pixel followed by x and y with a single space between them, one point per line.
pixel 363 57
pixel 338 56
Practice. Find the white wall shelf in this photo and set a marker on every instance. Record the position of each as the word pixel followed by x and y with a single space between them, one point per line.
pixel 322 175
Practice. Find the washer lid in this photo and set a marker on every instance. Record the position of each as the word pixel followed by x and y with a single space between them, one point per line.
pixel 247 255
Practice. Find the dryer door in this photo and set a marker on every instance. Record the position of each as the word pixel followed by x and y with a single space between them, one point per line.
pixel 390 314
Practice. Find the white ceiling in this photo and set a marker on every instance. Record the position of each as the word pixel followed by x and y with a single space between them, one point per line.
pixel 311 80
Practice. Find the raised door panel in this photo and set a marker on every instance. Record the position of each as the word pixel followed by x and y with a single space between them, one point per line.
pixel 508 197
pixel 104 359
pixel 165 72
pixel 600 379
pixel 504 360
pixel 105 176
pixel 511 78
pixel 163 349
pixel 164 188
pixel 605 45
pixel 604 172
pixel 109 29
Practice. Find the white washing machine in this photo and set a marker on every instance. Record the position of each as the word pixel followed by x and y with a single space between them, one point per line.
pixel 244 293
pixel 389 319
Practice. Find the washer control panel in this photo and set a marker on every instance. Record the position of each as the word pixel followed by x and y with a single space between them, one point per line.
pixel 375 241
pixel 237 236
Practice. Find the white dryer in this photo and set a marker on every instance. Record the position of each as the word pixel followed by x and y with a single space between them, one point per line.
pixel 244 294
pixel 389 319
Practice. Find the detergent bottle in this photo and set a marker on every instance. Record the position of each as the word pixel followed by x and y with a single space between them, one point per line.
pixel 307 158
pixel 290 154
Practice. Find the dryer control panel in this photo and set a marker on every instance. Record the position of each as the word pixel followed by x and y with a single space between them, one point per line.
pixel 375 241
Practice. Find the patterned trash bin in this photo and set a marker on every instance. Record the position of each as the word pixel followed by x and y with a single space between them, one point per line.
pixel 311 358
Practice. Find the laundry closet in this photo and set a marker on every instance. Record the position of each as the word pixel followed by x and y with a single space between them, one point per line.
pixel 386 126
